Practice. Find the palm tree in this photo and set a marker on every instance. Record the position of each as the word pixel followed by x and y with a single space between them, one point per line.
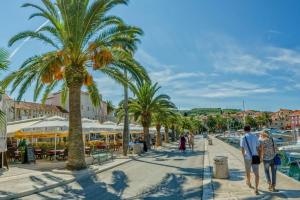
pixel 146 103
pixel 126 119
pixel 3 65
pixel 160 118
pixel 110 107
pixel 84 39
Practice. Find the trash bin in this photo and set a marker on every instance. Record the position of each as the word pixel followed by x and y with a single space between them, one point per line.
pixel 137 148
pixel 210 141
pixel 220 169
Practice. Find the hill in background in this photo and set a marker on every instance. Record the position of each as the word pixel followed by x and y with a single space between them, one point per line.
pixel 207 111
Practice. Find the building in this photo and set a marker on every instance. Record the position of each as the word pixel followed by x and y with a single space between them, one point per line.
pixel 281 119
pixel 295 119
pixel 21 110
pixel 88 110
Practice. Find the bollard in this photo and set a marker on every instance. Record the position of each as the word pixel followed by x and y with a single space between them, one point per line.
pixel 210 141
pixel 220 169
pixel 137 148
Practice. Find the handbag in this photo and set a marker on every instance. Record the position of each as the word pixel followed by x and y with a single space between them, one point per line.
pixel 277 160
pixel 255 158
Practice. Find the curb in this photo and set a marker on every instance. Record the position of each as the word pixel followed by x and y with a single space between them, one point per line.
pixel 207 186
pixel 64 182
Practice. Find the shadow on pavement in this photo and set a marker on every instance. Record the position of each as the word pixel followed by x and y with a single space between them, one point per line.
pixel 120 182
pixel 173 154
pixel 171 187
pixel 236 175
pixel 266 195
pixel 88 187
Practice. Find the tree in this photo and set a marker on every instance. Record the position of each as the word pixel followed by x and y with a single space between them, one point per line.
pixel 168 122
pixel 211 123
pixel 146 103
pixel 126 119
pixel 160 117
pixel 251 121
pixel 263 120
pixel 83 38
pixel 221 123
pixel 236 124
pixel 3 66
pixel 110 107
pixel 175 124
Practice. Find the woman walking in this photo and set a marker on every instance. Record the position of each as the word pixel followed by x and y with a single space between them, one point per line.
pixel 269 151
pixel 191 140
pixel 182 142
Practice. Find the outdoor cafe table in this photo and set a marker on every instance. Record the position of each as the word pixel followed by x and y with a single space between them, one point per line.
pixel 56 152
pixel 38 153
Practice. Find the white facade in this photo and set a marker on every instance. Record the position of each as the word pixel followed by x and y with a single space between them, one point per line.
pixel 87 109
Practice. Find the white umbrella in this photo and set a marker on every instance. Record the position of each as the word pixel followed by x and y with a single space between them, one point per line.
pixel 53 124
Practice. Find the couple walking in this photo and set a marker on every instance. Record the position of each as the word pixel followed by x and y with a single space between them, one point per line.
pixel 182 142
pixel 256 150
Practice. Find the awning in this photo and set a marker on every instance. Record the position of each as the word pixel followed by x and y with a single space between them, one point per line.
pixel 13 127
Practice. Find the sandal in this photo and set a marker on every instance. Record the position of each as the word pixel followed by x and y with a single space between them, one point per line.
pixel 270 187
pixel 274 189
pixel 256 192
pixel 249 184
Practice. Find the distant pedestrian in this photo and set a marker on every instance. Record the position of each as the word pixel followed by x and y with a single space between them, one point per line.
pixel 251 153
pixel 182 142
pixel 153 143
pixel 269 151
pixel 191 141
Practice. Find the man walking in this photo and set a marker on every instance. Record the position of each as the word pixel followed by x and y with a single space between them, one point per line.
pixel 251 153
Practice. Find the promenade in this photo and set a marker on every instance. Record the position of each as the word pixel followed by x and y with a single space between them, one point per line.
pixel 235 187
pixel 163 173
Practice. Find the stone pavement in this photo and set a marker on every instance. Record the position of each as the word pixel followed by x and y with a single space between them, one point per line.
pixel 23 180
pixel 164 173
pixel 235 187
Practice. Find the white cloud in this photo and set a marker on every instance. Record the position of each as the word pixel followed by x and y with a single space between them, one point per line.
pixel 167 77
pixel 286 56
pixel 231 58
pixel 109 89
pixel 149 61
pixel 230 89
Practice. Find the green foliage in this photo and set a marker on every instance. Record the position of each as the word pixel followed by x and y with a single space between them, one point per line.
pixel 147 102
pixel 211 123
pixel 207 111
pixel 3 59
pixel 78 31
pixel 84 39
pixel 236 124
pixel 110 107
pixel 264 120
pixel 251 121
pixel 221 123
pixel 3 65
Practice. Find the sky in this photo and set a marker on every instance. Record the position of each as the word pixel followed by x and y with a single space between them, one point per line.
pixel 203 53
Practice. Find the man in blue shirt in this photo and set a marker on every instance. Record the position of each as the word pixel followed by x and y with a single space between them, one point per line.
pixel 251 141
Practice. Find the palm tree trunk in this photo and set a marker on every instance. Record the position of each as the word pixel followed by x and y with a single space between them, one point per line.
pixel 158 136
pixel 147 137
pixel 173 133
pixel 76 160
pixel 166 134
pixel 126 120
